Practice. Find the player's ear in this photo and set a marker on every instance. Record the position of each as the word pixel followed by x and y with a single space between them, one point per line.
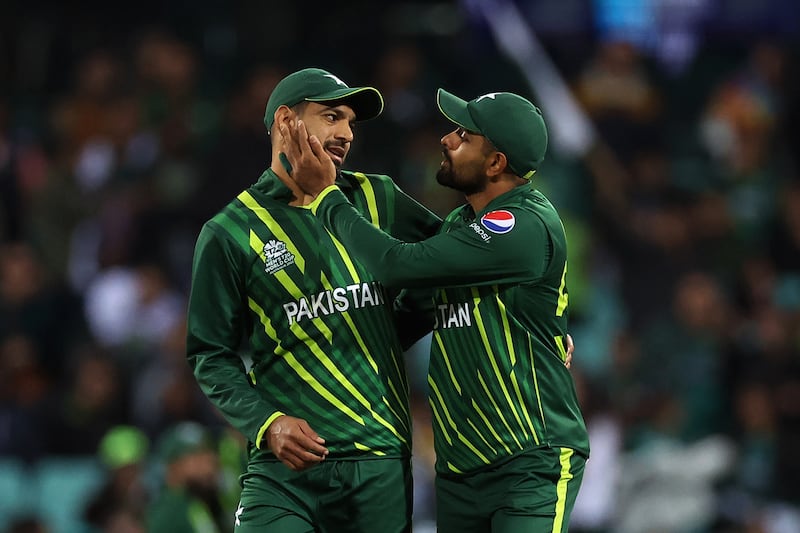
pixel 283 115
pixel 496 163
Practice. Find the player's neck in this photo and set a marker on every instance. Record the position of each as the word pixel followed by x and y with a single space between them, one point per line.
pixel 480 200
pixel 300 198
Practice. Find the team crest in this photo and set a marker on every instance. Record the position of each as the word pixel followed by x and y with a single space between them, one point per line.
pixel 500 221
pixel 276 256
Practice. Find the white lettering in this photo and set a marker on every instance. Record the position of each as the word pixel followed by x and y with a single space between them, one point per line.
pixel 304 310
pixel 317 304
pixel 340 297
pixel 464 316
pixel 353 289
pixel 453 316
pixel 366 296
pixel 480 231
pixel 291 311
pixel 377 291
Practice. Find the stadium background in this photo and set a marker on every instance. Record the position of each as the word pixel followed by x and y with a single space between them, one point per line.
pixel 673 160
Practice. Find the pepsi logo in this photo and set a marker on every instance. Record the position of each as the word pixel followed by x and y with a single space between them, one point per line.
pixel 500 221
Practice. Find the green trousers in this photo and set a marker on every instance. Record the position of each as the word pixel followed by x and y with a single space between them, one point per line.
pixel 532 492
pixel 353 496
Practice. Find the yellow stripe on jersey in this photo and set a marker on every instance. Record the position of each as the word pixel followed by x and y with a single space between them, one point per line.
pixel 450 421
pixel 263 214
pixel 283 278
pixel 453 468
pixel 513 376
pixel 438 338
pixel 363 448
pixel 515 383
pixel 401 419
pixel 486 442
pixel 400 401
pixel 295 365
pixel 497 409
pixel 488 347
pixel 506 327
pixel 439 422
pixel 265 426
pixel 348 261
pixel 490 426
pixel 563 297
pixel 561 489
pixel 295 328
pixel 369 192
pixel 536 382
pixel 562 352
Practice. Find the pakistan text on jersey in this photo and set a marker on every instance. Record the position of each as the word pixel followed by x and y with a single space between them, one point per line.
pixel 457 315
pixel 340 299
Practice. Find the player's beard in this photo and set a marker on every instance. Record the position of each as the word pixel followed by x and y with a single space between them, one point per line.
pixel 468 181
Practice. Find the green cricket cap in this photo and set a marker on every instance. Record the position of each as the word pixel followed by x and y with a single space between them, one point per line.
pixel 122 446
pixel 317 85
pixel 183 439
pixel 513 125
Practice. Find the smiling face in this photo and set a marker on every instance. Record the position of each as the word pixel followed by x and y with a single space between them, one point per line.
pixel 465 159
pixel 333 126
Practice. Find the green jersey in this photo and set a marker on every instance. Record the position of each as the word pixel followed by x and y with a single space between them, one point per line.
pixel 320 327
pixel 498 385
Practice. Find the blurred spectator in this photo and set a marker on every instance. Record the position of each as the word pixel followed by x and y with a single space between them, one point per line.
pixel 23 388
pixel 164 391
pixel 91 402
pixel 36 306
pixel 189 500
pixel 119 504
pixel 682 360
pixel 133 308
pixel 619 95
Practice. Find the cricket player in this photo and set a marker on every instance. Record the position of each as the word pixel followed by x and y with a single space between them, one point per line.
pixel 510 440
pixel 324 403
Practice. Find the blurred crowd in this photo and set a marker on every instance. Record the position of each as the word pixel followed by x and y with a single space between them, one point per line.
pixel 683 220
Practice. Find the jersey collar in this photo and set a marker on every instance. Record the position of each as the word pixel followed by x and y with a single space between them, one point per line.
pixel 271 185
pixel 507 197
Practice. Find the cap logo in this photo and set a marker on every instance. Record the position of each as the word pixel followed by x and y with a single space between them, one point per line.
pixel 500 221
pixel 337 80
pixel 490 95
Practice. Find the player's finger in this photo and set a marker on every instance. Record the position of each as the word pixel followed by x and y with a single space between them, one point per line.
pixel 289 141
pixel 570 350
pixel 310 440
pixel 316 147
pixel 309 432
pixel 302 139
pixel 302 459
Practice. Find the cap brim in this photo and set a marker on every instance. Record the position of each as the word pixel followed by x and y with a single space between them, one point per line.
pixel 455 110
pixel 366 102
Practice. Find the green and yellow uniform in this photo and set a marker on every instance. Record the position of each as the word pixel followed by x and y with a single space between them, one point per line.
pixel 320 327
pixel 500 394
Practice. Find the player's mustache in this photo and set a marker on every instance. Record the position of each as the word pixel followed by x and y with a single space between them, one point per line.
pixel 340 144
